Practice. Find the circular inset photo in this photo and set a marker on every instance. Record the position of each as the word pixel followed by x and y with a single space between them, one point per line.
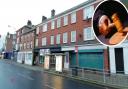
pixel 110 22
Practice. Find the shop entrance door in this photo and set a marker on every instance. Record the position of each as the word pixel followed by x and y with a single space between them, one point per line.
pixel 119 60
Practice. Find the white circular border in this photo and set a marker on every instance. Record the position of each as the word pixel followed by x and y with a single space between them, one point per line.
pixel 93 28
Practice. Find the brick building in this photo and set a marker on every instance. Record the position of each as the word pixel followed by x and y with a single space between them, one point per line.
pixel 25 43
pixel 66 40
pixel 10 46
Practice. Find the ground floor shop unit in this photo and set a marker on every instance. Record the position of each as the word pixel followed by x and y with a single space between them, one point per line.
pixel 119 59
pixel 8 55
pixel 25 57
pixel 92 57
pixel 49 58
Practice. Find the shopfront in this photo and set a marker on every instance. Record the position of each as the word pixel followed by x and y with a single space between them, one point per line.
pixel 89 57
pixel 25 57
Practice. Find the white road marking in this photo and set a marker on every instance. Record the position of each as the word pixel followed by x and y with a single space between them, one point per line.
pixel 49 86
pixel 26 77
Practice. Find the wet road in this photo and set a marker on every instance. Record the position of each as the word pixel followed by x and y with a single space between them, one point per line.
pixel 16 77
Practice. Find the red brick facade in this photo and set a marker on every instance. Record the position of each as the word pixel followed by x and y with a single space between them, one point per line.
pixel 78 27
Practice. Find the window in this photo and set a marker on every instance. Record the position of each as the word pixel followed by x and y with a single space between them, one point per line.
pixel 88 12
pixel 36 42
pixel 24 45
pixel 52 40
pixel 18 40
pixel 20 46
pixel 31 44
pixel 28 45
pixel 18 33
pixel 65 20
pixel 65 37
pixel 44 41
pixel 73 17
pixel 58 39
pixel 88 34
pixel 58 22
pixel 44 27
pixel 73 36
pixel 53 25
pixel 37 30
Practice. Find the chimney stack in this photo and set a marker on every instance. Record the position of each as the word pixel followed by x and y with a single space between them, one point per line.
pixel 29 23
pixel 44 18
pixel 52 13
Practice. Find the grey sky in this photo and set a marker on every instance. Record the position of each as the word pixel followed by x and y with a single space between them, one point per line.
pixel 16 12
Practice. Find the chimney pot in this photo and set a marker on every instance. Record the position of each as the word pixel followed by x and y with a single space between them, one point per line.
pixel 52 13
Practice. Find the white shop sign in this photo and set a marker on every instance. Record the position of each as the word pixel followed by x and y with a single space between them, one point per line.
pixel 44 51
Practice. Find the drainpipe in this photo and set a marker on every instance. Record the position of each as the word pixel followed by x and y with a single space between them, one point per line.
pixel 34 46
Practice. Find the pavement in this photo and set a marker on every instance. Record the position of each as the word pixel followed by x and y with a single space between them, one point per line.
pixel 20 76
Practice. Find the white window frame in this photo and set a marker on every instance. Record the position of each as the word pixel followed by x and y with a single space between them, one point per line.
pixel 37 30
pixel 65 20
pixel 65 37
pixel 18 33
pixel 52 40
pixel 24 45
pixel 73 17
pixel 45 27
pixel 44 41
pixel 88 12
pixel 87 35
pixel 18 40
pixel 58 39
pixel 52 24
pixel 31 45
pixel 73 36
pixel 37 42
pixel 58 22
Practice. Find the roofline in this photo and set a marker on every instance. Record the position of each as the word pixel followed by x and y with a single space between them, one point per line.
pixel 86 3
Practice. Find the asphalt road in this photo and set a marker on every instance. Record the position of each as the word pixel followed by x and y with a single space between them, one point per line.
pixel 16 77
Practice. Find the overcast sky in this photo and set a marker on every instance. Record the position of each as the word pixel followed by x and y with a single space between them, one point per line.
pixel 16 13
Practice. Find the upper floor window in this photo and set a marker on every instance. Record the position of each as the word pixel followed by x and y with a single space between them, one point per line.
pixel 24 45
pixel 73 17
pixel 52 40
pixel 18 33
pixel 28 45
pixel 44 27
pixel 73 36
pixel 88 12
pixel 58 39
pixel 18 40
pixel 65 20
pixel 65 37
pixel 31 44
pixel 36 42
pixel 37 30
pixel 44 41
pixel 58 22
pixel 53 25
pixel 88 34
